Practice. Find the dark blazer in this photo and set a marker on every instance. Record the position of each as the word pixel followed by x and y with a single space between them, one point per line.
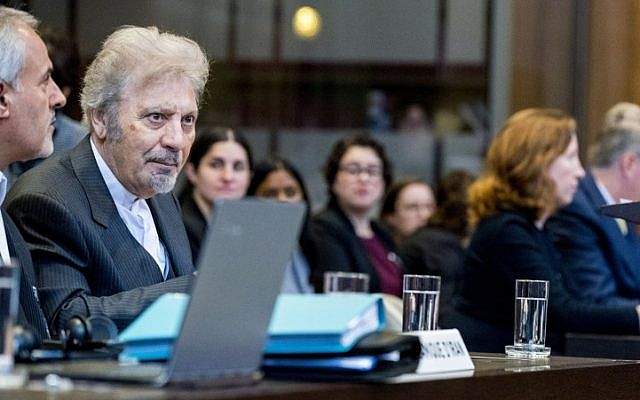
pixel 30 314
pixel 194 222
pixel 435 251
pixel 338 248
pixel 600 263
pixel 86 260
pixel 508 246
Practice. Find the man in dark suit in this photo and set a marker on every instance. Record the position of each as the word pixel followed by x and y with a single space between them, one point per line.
pixel 28 99
pixel 103 228
pixel 601 255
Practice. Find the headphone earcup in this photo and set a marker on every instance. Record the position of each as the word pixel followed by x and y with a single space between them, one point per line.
pixel 24 341
pixel 101 329
pixel 77 333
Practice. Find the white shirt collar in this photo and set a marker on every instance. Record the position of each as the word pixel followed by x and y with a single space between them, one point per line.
pixel 118 192
pixel 604 192
pixel 3 187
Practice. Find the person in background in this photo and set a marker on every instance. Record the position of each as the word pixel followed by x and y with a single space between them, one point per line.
pixel 357 172
pixel 601 255
pixel 438 248
pixel 622 113
pixel 278 179
pixel 219 167
pixel 28 100
pixel 414 121
pixel 406 207
pixel 532 169
pixel 67 132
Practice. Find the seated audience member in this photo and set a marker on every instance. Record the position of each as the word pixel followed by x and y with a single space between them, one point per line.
pixel 356 173
pixel 406 207
pixel 103 228
pixel 28 100
pixel 414 120
pixel 622 114
pixel 438 247
pixel 601 255
pixel 278 179
pixel 532 168
pixel 219 167
pixel 67 132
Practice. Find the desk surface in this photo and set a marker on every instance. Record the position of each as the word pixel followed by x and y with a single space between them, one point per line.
pixel 495 378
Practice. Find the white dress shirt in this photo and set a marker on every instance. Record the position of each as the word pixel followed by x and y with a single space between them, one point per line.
pixel 4 246
pixel 135 213
pixel 622 224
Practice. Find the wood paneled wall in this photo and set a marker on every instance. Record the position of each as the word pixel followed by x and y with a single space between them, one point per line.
pixel 581 56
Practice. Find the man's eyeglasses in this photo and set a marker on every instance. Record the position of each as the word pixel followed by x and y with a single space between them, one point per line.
pixel 372 171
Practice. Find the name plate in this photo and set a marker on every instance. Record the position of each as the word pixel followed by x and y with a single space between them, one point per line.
pixel 442 351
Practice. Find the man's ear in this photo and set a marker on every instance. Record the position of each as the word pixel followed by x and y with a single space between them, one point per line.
pixel 98 124
pixel 628 161
pixel 4 100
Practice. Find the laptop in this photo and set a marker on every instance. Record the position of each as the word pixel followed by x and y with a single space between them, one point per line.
pixel 224 331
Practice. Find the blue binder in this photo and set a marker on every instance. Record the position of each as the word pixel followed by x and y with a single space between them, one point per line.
pixel 300 324
pixel 323 323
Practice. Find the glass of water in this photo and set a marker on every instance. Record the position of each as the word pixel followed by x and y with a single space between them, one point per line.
pixel 9 286
pixel 346 282
pixel 530 323
pixel 420 298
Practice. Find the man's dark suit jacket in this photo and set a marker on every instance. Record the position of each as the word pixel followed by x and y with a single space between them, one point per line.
pixel 600 263
pixel 339 248
pixel 30 315
pixel 86 261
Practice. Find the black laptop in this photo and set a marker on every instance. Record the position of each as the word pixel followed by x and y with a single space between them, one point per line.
pixel 240 272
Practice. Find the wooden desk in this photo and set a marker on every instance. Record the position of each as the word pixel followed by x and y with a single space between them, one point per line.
pixel 495 378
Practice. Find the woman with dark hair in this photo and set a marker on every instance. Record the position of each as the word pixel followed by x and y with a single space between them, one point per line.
pixel 532 169
pixel 219 167
pixel 357 173
pixel 278 179
pixel 406 207
pixel 438 247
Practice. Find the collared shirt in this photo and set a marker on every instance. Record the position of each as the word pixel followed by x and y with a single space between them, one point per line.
pixel 622 224
pixel 4 246
pixel 135 213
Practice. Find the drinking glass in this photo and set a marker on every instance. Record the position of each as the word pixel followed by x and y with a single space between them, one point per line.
pixel 9 286
pixel 530 322
pixel 421 297
pixel 346 282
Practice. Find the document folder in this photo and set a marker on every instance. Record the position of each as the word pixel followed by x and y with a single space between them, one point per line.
pixel 300 324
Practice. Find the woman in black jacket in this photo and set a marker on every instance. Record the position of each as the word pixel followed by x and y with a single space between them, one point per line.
pixel 357 173
pixel 532 168
pixel 219 167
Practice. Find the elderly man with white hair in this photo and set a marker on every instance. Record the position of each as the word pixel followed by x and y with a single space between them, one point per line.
pixel 103 228
pixel 601 255
pixel 28 100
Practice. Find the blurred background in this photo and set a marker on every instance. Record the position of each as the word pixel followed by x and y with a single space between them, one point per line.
pixel 431 79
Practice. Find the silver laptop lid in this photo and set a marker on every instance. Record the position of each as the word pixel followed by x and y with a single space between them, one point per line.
pixel 240 271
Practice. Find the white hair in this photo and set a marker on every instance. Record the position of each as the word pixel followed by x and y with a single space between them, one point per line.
pixel 135 54
pixel 622 113
pixel 12 44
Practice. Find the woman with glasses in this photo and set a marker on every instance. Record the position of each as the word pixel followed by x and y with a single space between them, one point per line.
pixel 279 180
pixel 357 173
pixel 219 167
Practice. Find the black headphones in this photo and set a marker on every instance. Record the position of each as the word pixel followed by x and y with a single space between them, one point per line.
pixel 89 333
pixel 80 334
